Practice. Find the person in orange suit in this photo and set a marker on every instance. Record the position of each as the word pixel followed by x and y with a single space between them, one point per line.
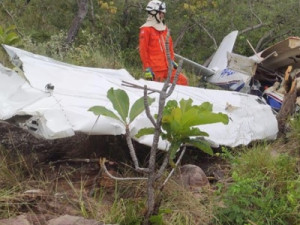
pixel 152 49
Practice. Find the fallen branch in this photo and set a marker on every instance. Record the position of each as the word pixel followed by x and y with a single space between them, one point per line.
pixel 102 165
pixel 76 160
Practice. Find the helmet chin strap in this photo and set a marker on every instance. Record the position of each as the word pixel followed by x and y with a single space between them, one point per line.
pixel 155 16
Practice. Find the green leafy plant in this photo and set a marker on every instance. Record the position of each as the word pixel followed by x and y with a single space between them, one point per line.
pixel 120 102
pixel 179 121
pixel 8 36
pixel 177 125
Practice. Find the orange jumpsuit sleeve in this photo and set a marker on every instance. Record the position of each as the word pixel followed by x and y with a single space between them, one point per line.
pixel 143 46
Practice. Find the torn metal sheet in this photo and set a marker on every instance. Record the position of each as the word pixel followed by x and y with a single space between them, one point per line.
pixel 54 97
pixel 287 54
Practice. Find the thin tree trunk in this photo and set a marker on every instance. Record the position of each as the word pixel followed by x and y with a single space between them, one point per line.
pixel 287 108
pixel 76 23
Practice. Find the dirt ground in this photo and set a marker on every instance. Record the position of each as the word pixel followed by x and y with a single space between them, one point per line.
pixel 72 164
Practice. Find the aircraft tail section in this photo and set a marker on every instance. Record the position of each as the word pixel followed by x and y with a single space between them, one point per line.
pixel 219 61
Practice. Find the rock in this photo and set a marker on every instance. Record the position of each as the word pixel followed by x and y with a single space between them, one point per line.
pixel 193 177
pixel 29 219
pixel 20 220
pixel 72 220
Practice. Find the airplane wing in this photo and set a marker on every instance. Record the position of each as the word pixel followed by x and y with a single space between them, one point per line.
pixel 53 98
pixel 198 68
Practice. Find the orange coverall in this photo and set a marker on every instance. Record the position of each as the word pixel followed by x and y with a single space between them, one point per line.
pixel 153 54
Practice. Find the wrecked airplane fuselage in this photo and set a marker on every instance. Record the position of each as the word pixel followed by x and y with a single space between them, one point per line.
pixel 53 98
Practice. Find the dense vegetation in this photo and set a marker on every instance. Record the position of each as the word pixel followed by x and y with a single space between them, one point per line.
pixel 111 28
pixel 264 178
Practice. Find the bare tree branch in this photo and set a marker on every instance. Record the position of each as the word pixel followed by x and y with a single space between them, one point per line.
pixel 153 152
pixel 76 23
pixel 272 38
pixel 12 18
pixel 92 12
pixel 208 33
pixel 146 104
pixel 173 170
pixel 102 165
pixel 128 84
pixel 262 39
pixel 167 81
pixel 163 165
pixel 147 109
pixel 186 28
pixel 260 24
pixel 133 153
pixel 175 78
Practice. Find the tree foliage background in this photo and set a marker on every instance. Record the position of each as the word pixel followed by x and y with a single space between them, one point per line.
pixel 111 27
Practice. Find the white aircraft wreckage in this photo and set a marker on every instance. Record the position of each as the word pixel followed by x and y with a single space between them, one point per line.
pixel 50 99
pixel 267 74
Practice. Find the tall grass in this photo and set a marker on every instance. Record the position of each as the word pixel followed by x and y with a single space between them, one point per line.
pixel 265 189
pixel 13 172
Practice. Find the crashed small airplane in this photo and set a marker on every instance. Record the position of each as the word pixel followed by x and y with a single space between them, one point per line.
pixel 266 74
pixel 50 99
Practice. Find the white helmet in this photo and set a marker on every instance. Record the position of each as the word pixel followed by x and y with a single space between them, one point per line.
pixel 157 6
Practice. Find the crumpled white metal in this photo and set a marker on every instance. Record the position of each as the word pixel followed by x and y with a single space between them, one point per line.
pixel 61 112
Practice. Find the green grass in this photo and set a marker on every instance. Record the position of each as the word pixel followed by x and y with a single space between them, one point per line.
pixel 265 189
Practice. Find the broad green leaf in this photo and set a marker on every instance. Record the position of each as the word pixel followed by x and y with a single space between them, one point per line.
pixel 11 38
pixel 14 41
pixel 138 107
pixel 120 101
pixel 195 131
pixel 145 131
pixel 172 104
pixel 205 106
pixel 175 126
pixel 185 105
pixel 214 118
pixel 100 110
pixel 202 145
pixel 177 114
pixel 190 119
pixel 10 29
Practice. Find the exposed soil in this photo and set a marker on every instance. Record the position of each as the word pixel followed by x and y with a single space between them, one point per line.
pixel 66 168
pixel 81 146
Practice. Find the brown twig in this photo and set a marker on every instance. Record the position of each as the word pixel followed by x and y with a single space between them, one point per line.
pixel 102 165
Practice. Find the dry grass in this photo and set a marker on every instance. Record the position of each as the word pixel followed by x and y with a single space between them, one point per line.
pixel 187 207
pixel 74 191
pixel 80 191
